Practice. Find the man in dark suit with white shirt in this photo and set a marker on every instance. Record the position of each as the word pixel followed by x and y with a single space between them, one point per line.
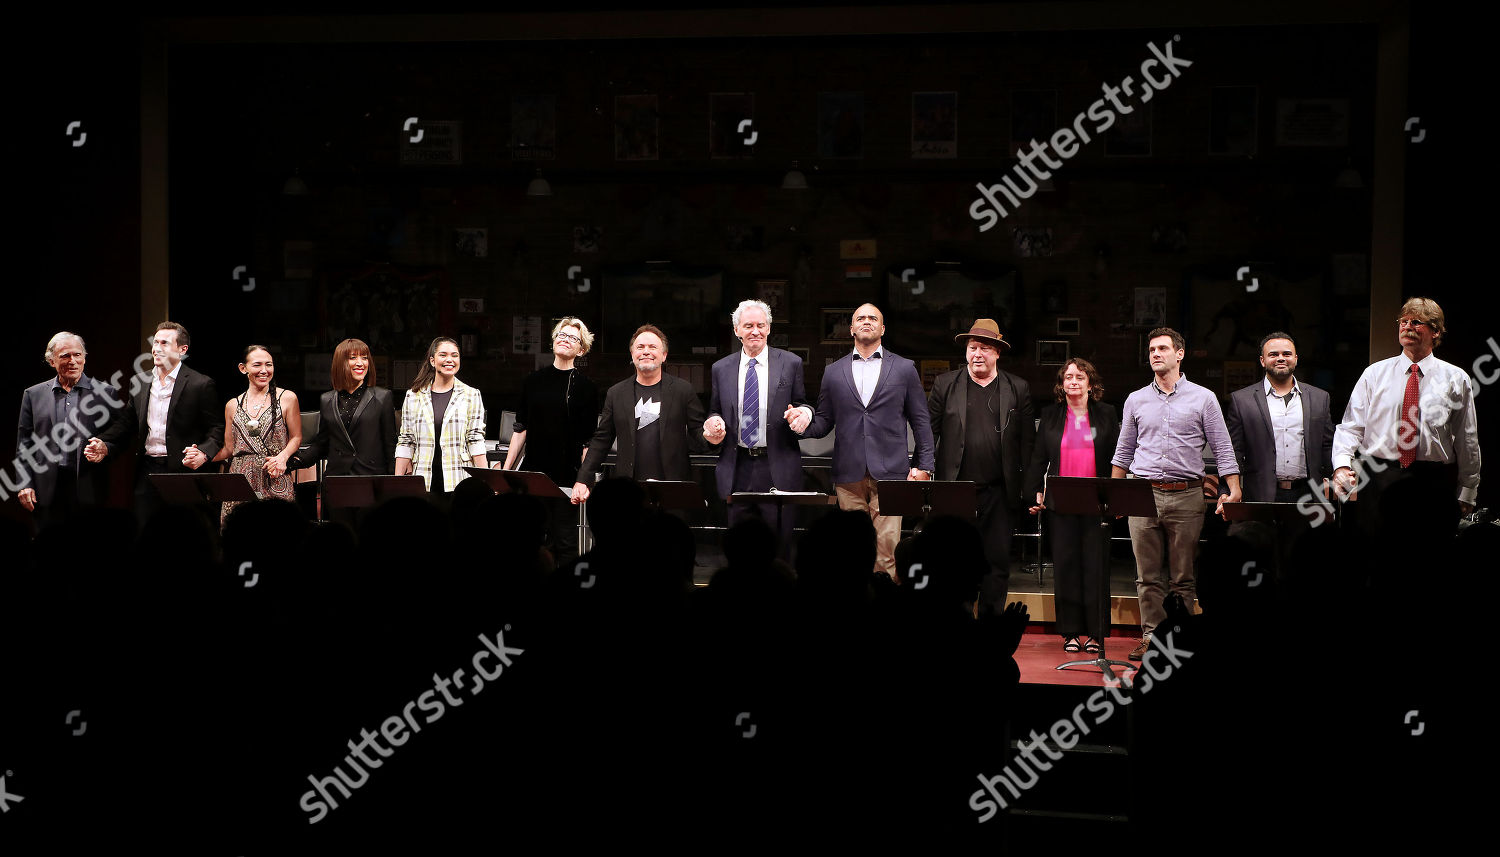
pixel 873 396
pixel 752 390
pixel 1282 432
pixel 179 417
pixel 1281 428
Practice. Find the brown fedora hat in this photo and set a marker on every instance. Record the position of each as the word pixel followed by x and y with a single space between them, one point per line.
pixel 986 329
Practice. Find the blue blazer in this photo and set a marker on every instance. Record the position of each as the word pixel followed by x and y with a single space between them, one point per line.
pixel 872 438
pixel 784 380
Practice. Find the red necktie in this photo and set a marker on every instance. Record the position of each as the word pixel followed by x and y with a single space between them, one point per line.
pixel 1411 433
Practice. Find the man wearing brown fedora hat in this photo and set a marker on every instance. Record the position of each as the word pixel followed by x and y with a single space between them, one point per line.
pixel 984 427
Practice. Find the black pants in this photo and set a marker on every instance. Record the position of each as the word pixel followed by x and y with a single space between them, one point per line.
pixel 147 498
pixel 753 473
pixel 562 529
pixel 1398 501
pixel 994 530
pixel 1077 548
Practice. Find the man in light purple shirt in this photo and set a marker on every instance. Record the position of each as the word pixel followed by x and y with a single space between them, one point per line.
pixel 1161 439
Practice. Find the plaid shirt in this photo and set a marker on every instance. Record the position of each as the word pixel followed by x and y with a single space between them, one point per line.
pixel 463 433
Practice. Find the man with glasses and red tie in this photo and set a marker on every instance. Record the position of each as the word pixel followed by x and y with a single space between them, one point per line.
pixel 1410 417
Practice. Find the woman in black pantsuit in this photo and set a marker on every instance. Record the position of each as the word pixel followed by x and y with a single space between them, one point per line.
pixel 356 421
pixel 1076 437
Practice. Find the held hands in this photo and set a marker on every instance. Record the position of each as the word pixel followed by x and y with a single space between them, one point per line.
pixel 1039 504
pixel 193 457
pixel 915 475
pixel 95 451
pixel 1233 496
pixel 1343 482
pixel 713 430
pixel 275 466
pixel 27 496
pixel 797 418
pixel 580 493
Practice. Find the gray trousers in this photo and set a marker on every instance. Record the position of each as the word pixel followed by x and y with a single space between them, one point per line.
pixel 1174 531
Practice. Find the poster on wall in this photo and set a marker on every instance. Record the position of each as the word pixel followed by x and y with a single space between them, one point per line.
pixel 637 128
pixel 841 124
pixel 1150 306
pixel 731 125
pixel 934 124
pixel 533 127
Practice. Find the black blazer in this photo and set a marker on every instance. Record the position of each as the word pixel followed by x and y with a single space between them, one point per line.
pixel 102 413
pixel 681 430
pixel 366 448
pixel 1248 419
pixel 949 405
pixel 195 416
pixel 1047 458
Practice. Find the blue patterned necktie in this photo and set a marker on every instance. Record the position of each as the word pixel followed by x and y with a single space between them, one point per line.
pixel 750 408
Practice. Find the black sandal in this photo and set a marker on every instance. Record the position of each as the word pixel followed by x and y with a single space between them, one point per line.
pixel 1091 646
pixel 1070 644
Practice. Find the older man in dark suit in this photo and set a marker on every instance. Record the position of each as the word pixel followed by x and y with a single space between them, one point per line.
pixel 179 418
pixel 872 396
pixel 656 418
pixel 59 465
pixel 752 389
pixel 984 428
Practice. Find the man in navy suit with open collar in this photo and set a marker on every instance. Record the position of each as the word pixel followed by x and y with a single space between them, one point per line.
pixel 752 390
pixel 872 395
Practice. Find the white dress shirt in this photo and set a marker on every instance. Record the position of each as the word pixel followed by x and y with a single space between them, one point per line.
pixel 156 411
pixel 867 374
pixel 760 378
pixel 1286 431
pixel 1448 431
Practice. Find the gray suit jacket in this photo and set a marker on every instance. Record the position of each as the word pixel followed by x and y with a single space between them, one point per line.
pixel 1248 418
pixel 102 412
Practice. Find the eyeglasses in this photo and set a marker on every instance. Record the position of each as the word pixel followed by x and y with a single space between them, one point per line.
pixel 1412 322
pixel 568 337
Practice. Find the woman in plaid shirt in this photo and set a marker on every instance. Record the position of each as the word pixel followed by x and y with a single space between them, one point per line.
pixel 442 422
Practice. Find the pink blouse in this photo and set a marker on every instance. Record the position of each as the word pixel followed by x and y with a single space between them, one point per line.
pixel 1077 446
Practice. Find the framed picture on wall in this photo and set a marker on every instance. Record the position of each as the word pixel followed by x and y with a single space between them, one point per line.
pixel 1051 352
pixel 773 293
pixel 834 323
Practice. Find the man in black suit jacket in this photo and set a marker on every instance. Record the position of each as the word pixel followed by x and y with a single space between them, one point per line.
pixel 983 424
pixel 179 417
pixel 59 416
pixel 1282 431
pixel 762 452
pixel 656 417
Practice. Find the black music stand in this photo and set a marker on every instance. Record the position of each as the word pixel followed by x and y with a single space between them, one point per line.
pixel 782 499
pixel 363 491
pixel 673 495
pixel 186 489
pixel 959 498
pixel 527 482
pixel 1105 497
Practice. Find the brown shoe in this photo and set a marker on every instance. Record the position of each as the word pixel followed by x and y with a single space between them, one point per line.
pixel 1140 651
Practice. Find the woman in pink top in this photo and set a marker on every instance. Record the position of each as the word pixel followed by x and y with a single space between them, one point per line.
pixel 1076 437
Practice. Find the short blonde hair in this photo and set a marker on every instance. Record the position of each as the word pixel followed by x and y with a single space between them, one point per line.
pixel 1425 309
pixel 587 338
pixel 56 342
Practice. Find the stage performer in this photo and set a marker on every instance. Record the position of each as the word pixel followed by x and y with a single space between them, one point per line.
pixel 180 419
pixel 872 395
pixel 442 422
pixel 263 429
